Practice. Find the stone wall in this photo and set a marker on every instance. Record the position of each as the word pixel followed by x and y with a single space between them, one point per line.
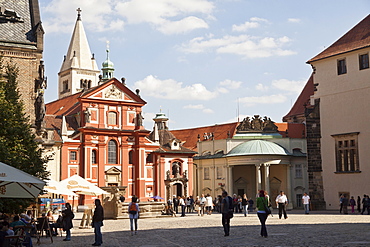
pixel 27 62
pixel 314 161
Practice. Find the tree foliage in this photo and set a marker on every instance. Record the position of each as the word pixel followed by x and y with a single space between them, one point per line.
pixel 17 142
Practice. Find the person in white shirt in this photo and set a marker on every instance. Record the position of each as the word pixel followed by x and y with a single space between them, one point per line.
pixel 182 204
pixel 202 204
pixel 306 203
pixel 282 201
pixel 209 204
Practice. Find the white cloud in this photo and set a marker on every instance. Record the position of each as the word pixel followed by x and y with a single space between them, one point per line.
pixel 242 45
pixel 194 107
pixel 287 85
pixel 208 111
pixel 183 26
pixel 199 107
pixel 294 20
pixel 171 89
pixel 266 99
pixel 230 84
pixel 166 16
pixel 253 23
pixel 96 18
pixel 162 14
pixel 261 87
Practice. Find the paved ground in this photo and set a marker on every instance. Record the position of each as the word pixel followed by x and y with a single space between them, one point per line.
pixel 316 229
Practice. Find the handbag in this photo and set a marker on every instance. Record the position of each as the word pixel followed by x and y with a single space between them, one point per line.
pixel 267 209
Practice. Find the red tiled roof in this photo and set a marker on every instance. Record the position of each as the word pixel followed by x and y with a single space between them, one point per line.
pixel 291 130
pixel 302 100
pixel 356 38
pixel 63 106
pixel 220 131
pixel 55 123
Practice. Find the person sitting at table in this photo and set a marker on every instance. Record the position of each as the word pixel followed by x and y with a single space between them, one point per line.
pixel 16 222
pixel 28 217
pixel 52 223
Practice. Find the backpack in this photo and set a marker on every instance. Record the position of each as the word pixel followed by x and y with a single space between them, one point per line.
pixel 132 209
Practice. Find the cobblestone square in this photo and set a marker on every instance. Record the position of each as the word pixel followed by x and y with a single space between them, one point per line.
pixel 324 228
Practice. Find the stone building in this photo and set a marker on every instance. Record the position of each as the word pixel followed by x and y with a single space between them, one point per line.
pixel 245 157
pixel 21 42
pixel 337 121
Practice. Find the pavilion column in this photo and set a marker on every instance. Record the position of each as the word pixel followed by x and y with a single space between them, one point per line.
pixel 258 177
pixel 267 178
pixel 230 182
pixel 289 186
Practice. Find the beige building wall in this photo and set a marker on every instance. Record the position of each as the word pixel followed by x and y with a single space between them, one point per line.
pixel 344 101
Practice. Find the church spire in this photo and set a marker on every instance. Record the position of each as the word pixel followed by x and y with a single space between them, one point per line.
pixel 79 69
pixel 107 66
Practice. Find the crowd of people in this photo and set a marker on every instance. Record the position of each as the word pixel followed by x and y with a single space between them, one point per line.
pixel 363 205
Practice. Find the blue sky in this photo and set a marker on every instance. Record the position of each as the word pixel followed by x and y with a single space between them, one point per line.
pixel 199 61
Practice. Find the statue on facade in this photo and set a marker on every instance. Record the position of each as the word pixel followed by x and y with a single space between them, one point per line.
pixel 245 125
pixel 256 123
pixel 168 175
pixel 87 115
pixel 139 119
pixel 41 81
pixel 175 169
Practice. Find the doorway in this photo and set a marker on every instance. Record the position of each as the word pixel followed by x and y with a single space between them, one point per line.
pixel 177 188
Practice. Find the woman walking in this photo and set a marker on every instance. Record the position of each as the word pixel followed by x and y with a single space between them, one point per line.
pixel 133 210
pixel 68 216
pixel 262 202
pixel 245 205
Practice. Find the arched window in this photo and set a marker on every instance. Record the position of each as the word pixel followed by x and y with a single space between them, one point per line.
pixel 112 118
pixel 112 152
pixel 93 157
pixel 130 157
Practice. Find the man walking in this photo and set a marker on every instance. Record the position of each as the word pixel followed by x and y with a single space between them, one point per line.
pixel 282 201
pixel 226 204
pixel 306 203
pixel 175 202
pixel 97 222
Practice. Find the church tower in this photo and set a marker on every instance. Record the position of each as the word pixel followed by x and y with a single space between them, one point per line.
pixel 79 69
pixel 107 66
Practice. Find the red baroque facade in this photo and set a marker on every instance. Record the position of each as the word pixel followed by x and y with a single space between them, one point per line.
pixel 103 141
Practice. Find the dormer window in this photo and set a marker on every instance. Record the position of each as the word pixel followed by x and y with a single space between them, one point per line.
pixel 175 145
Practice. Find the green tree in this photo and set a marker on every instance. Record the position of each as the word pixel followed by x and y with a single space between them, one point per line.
pixel 17 142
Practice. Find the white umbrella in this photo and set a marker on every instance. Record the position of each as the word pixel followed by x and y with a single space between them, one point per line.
pixel 15 183
pixel 81 186
pixel 56 187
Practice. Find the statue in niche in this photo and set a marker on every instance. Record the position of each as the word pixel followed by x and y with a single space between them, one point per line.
pixel 168 175
pixel 175 169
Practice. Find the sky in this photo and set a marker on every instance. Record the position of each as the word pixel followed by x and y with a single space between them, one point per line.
pixel 203 62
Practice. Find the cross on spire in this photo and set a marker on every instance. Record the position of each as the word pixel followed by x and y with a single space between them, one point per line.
pixel 79 14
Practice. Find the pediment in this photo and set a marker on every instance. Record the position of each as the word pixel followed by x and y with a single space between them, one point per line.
pixel 111 92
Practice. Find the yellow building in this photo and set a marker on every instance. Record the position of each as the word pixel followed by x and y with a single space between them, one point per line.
pixel 341 77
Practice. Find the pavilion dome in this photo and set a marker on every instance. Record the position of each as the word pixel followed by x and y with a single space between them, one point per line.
pixel 258 147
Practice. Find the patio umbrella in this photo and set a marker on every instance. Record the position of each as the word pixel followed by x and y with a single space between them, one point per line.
pixel 56 187
pixel 15 183
pixel 157 197
pixel 81 186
